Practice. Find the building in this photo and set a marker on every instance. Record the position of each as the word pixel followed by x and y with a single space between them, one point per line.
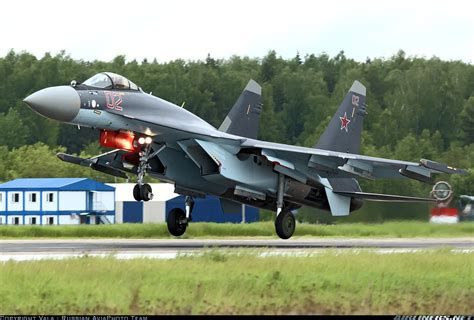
pixel 52 201
pixel 56 201
pixel 209 209
pixel 206 209
pixel 128 210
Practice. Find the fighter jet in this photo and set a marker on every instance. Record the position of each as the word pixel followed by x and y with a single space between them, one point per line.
pixel 152 136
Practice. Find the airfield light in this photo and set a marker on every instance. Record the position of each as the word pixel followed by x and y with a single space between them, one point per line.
pixel 141 140
pixel 148 140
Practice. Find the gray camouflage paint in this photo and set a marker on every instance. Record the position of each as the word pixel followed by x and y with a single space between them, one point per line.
pixel 234 165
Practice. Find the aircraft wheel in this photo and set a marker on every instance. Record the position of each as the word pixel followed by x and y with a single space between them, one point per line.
pixel 285 224
pixel 174 222
pixel 136 193
pixel 146 192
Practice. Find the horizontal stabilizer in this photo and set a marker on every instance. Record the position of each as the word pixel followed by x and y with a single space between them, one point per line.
pixel 383 197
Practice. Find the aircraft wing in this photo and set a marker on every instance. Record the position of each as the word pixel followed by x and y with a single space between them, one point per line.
pixel 110 162
pixel 339 164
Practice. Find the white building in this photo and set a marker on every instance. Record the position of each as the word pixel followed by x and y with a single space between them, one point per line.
pixel 127 209
pixel 56 201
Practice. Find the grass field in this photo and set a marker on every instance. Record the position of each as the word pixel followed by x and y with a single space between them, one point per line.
pixel 260 229
pixel 432 282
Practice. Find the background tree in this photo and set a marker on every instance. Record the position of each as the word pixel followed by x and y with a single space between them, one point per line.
pixel 417 108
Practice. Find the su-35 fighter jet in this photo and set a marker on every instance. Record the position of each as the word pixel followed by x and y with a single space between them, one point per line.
pixel 152 136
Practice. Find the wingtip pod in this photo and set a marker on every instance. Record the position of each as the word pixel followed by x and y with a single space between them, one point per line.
pixel 440 167
pixel 358 88
pixel 254 87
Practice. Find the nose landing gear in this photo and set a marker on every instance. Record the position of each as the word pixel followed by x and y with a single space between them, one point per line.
pixel 143 191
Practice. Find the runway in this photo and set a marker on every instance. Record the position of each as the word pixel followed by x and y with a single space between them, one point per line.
pixel 172 248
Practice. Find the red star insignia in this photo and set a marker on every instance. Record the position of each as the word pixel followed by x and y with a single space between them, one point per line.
pixel 344 122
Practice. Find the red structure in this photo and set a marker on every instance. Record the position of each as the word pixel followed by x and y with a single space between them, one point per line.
pixel 442 213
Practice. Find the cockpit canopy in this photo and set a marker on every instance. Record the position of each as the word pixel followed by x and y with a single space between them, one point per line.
pixel 109 80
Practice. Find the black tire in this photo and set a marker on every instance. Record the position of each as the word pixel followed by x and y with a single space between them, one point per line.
pixel 136 192
pixel 146 192
pixel 175 227
pixel 285 224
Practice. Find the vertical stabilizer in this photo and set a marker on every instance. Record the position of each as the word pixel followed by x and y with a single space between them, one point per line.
pixel 244 117
pixel 344 132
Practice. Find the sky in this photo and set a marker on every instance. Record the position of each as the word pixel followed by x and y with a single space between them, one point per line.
pixel 190 30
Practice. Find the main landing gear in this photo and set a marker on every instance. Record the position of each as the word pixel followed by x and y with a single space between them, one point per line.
pixel 285 220
pixel 285 224
pixel 142 191
pixel 178 220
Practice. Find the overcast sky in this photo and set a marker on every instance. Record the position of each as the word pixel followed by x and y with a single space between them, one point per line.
pixel 172 29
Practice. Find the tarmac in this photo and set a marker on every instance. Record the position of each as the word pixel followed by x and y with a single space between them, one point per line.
pixel 22 250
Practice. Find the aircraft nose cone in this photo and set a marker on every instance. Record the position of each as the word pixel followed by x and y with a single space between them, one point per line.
pixel 59 103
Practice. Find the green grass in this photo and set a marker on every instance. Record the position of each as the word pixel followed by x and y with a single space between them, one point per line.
pixel 430 282
pixel 260 229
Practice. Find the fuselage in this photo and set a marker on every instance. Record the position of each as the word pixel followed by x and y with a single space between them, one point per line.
pixel 194 155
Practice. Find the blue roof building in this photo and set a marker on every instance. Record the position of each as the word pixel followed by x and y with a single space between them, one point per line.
pixel 56 201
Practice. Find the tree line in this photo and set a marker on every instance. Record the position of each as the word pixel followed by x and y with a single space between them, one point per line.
pixel 417 107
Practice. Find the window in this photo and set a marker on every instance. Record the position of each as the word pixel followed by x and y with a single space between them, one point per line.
pixel 1 220
pixel 32 197
pixel 16 220
pixel 16 197
pixel 133 86
pixel 50 197
pixel 33 220
pixel 50 220
pixel 119 81
pixel 1 197
pixel 109 80
pixel 100 80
